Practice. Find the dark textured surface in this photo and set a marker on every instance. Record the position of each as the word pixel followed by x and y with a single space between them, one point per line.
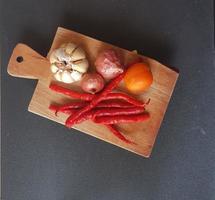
pixel 43 160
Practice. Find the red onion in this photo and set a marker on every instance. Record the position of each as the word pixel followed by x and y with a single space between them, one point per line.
pixel 108 64
pixel 92 83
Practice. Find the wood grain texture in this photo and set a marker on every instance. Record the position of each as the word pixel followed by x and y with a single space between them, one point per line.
pixel 31 64
pixel 144 133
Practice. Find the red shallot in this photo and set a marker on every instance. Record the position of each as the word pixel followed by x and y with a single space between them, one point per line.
pixel 92 83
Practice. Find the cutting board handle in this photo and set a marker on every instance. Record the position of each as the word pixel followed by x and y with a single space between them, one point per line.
pixel 27 63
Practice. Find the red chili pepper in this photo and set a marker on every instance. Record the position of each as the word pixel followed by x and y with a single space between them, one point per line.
pixel 103 104
pixel 88 115
pixel 69 106
pixel 57 109
pixel 71 119
pixel 98 112
pixel 121 118
pixel 125 97
pixel 118 134
pixel 85 116
pixel 117 111
pixel 92 114
pixel 71 93
pixel 114 104
pixel 78 104
pixel 89 97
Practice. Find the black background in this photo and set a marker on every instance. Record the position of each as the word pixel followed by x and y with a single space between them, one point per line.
pixel 43 160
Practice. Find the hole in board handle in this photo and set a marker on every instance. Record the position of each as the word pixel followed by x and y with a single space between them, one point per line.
pixel 19 59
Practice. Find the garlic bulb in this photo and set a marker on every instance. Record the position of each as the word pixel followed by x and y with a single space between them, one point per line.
pixel 68 63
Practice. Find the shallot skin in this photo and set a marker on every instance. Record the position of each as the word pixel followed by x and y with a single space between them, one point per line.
pixel 108 64
pixel 92 83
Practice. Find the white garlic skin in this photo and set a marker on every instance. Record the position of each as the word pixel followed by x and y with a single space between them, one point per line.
pixel 62 55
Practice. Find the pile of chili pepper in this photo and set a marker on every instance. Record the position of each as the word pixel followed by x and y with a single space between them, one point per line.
pixel 107 107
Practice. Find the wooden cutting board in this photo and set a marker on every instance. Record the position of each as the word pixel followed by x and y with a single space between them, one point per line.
pixel 26 63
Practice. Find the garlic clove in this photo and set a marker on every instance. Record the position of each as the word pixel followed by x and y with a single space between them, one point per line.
pixel 58 76
pixel 70 47
pixel 78 54
pixel 76 75
pixel 53 58
pixel 66 77
pixel 54 68
pixel 81 66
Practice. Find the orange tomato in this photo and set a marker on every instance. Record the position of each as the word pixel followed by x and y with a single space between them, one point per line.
pixel 138 78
